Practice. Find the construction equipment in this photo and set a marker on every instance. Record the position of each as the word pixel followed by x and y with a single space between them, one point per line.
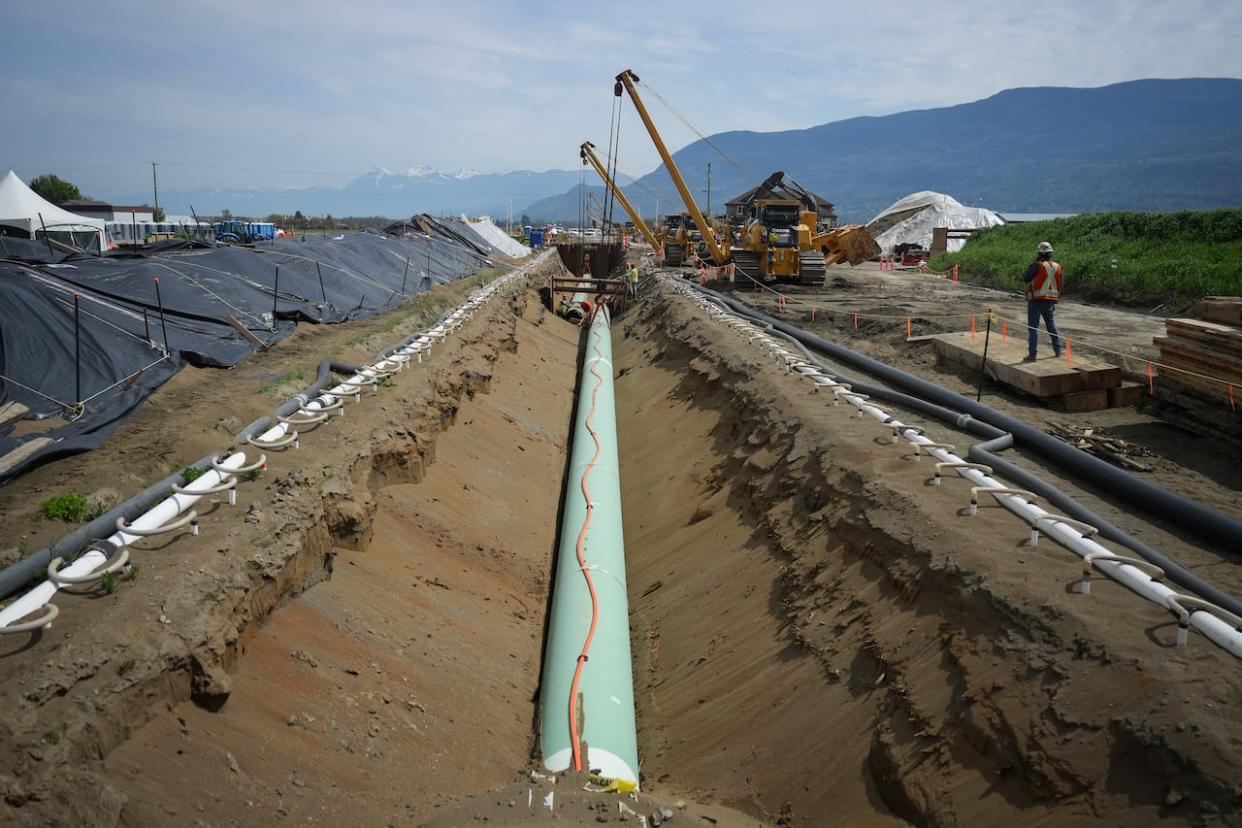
pixel 625 82
pixel 586 151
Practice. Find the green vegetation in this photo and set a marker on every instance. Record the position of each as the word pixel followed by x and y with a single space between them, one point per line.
pixel 125 667
pixel 275 385
pixel 52 737
pixel 70 507
pixel 54 188
pixel 189 474
pixel 1161 257
pixel 108 582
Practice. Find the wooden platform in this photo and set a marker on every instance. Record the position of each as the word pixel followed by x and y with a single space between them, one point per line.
pixel 1083 384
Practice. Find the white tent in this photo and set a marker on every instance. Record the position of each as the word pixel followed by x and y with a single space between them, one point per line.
pixel 910 220
pixel 27 211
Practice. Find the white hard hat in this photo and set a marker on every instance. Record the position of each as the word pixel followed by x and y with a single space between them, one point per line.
pixel 1044 247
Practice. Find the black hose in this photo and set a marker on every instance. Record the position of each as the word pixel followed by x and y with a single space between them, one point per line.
pixel 1203 521
pixel 997 440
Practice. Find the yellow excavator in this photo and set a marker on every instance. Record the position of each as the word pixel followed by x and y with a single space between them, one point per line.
pixel 782 242
pixel 587 152
pixel 682 236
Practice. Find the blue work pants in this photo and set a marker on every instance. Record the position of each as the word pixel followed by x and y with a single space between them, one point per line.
pixel 1037 309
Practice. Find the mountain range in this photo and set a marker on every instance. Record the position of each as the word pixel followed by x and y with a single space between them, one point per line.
pixel 1139 145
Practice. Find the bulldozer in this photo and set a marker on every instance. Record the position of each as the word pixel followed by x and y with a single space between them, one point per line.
pixel 776 245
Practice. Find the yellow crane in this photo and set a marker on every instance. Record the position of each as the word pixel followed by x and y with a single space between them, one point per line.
pixel 587 152
pixel 625 82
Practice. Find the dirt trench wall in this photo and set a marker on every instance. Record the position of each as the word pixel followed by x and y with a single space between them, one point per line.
pixel 817 633
pixel 114 661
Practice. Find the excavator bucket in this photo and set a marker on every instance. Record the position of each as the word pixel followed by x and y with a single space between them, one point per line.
pixel 848 243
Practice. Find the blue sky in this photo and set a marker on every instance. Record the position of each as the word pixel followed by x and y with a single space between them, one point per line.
pixel 314 93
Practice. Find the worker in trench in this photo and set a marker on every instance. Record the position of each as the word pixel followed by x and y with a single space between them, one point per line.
pixel 632 274
pixel 1043 287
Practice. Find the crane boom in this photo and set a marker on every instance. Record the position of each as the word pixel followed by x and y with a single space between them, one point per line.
pixel 626 80
pixel 588 156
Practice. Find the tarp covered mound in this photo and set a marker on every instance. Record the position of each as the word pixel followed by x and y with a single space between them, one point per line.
pixel 498 238
pixel 206 295
pixel 909 221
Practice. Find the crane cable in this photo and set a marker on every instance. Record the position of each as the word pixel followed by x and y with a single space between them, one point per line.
pixel 693 129
pixel 580 548
pixel 612 124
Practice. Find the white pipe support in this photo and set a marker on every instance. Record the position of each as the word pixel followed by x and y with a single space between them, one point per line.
pixel 997 491
pixel 1086 529
pixel 111 565
pixel 190 517
pixel 158 515
pixel 940 467
pixel 43 622
pixel 290 439
pixel 1089 562
pixel 899 429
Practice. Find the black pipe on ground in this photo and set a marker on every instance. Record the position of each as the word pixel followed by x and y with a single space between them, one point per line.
pixel 1207 523
pixel 997 440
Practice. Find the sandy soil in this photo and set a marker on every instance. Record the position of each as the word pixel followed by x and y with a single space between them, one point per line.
pixel 819 632
pixel 819 637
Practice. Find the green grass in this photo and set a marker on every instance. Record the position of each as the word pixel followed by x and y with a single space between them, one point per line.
pixel 275 385
pixel 189 474
pixel 70 507
pixel 1161 257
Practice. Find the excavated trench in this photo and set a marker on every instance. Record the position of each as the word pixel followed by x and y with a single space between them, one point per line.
pixel 814 641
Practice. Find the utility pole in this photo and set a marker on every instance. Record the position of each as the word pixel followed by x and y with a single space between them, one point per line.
pixel 155 185
pixel 709 188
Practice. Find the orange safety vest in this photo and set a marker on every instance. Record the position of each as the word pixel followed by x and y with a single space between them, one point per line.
pixel 1047 282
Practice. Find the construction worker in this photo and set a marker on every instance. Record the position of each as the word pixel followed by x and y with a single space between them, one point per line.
pixel 1043 288
pixel 633 276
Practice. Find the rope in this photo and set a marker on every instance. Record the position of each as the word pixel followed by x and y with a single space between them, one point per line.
pixel 580 548
pixel 686 121
pixel 784 300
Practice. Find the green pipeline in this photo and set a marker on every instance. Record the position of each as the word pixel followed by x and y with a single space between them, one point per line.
pixel 603 709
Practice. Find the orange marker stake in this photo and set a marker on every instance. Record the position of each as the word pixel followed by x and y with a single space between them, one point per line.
pixel 955 273
pixel 1151 381
pixel 909 323
pixel 1004 330
pixel 1069 349
pixel 855 321
pixel 972 327
pixel 1232 407
pixel 812 313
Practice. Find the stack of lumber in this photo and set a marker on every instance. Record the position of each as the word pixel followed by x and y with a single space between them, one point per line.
pixel 1080 384
pixel 1203 349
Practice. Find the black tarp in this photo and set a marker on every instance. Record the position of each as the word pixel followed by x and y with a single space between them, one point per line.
pixel 123 331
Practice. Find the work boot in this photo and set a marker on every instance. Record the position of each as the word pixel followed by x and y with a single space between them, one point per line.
pixel 1029 358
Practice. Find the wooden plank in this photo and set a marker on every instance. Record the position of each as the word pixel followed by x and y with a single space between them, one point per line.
pixel 1227 310
pixel 1213 389
pixel 1126 394
pixel 22 452
pixel 12 412
pixel 245 332
pixel 1079 401
pixel 1047 377
pixel 1211 361
pixel 1226 337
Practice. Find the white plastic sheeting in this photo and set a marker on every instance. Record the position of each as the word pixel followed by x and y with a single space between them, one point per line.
pixel 498 238
pixel 910 220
